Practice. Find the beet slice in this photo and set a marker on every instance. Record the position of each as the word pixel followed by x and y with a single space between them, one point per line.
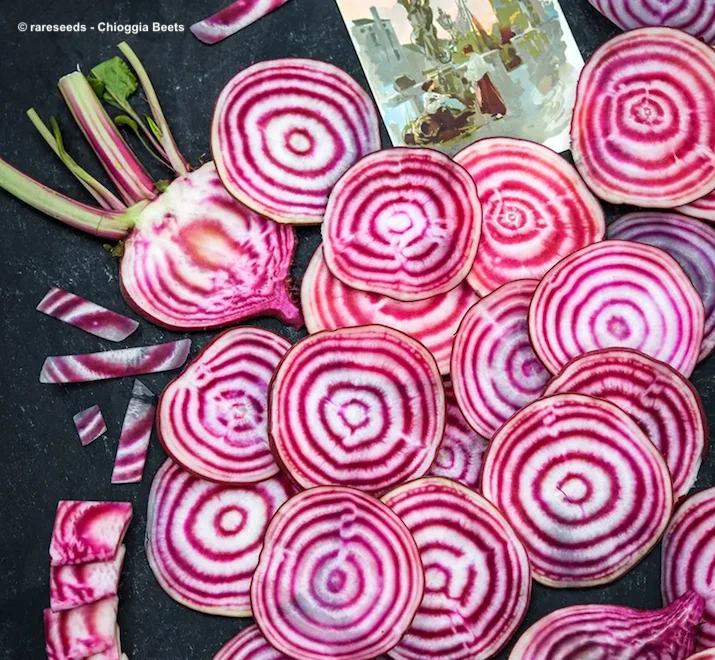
pixel 494 369
pixel 339 577
pixel 72 586
pixel 461 455
pixel 135 436
pixel 88 531
pixel 584 488
pixel 212 419
pixel 197 259
pixel 328 304
pixel 231 19
pixel 361 407
pixel 666 407
pixel 707 654
pixel 284 131
pixel 79 633
pixel 640 133
pixel 86 315
pixel 249 644
pixel 703 208
pixel 119 363
pixel 613 631
pixel 535 207
pixel 688 557
pixel 690 242
pixel 478 578
pixel 696 17
pixel 90 425
pixel 617 294
pixel 404 223
pixel 203 539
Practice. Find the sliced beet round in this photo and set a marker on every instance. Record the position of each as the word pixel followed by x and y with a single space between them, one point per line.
pixel 404 223
pixel 641 131
pixel 461 455
pixel 688 557
pixel 249 644
pixel 198 259
pixel 690 242
pixel 584 488
pixel 203 539
pixel 212 420
pixel 696 17
pixel 535 208
pixel 494 369
pixel 478 578
pixel 666 407
pixel 703 208
pixel 613 631
pixel 617 294
pixel 328 304
pixel 361 407
pixel 284 131
pixel 340 577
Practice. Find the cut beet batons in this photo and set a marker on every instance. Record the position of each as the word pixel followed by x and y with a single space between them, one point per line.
pixel 231 19
pixel 136 433
pixel 90 425
pixel 82 632
pixel 87 532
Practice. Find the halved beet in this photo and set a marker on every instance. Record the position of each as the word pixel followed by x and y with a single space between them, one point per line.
pixel 119 363
pixel 284 131
pixel 203 539
pixel 535 207
pixel 136 434
pixel 212 419
pixel 584 488
pixel 696 17
pixel 72 586
pixel 613 631
pixel 477 573
pixel 461 455
pixel 617 294
pixel 688 558
pixel 361 407
pixel 249 644
pixel 82 632
pixel 690 242
pixel 88 531
pixel 703 208
pixel 666 407
pixel 494 369
pixel 86 315
pixel 197 259
pixel 641 125
pixel 231 19
pixel 328 304
pixel 89 424
pixel 339 578
pixel 404 223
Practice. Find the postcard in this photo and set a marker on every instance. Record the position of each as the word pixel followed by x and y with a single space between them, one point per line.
pixel 445 73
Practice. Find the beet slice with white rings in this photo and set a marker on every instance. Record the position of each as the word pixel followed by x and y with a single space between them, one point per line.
pixel 703 208
pixel 197 259
pixel 328 304
pixel 617 294
pixel 285 130
pixel 588 494
pixel 666 407
pixel 361 407
pixel 478 578
pixel 461 455
pixel 688 556
pixel 249 644
pixel 212 420
pixel 535 210
pixel 203 539
pixel 613 631
pixel 690 242
pixel 339 578
pixel 404 223
pixel 631 140
pixel 494 369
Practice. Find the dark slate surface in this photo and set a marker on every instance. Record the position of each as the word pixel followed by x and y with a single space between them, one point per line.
pixel 41 460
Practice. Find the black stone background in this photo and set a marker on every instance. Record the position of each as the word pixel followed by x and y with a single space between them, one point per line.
pixel 41 460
